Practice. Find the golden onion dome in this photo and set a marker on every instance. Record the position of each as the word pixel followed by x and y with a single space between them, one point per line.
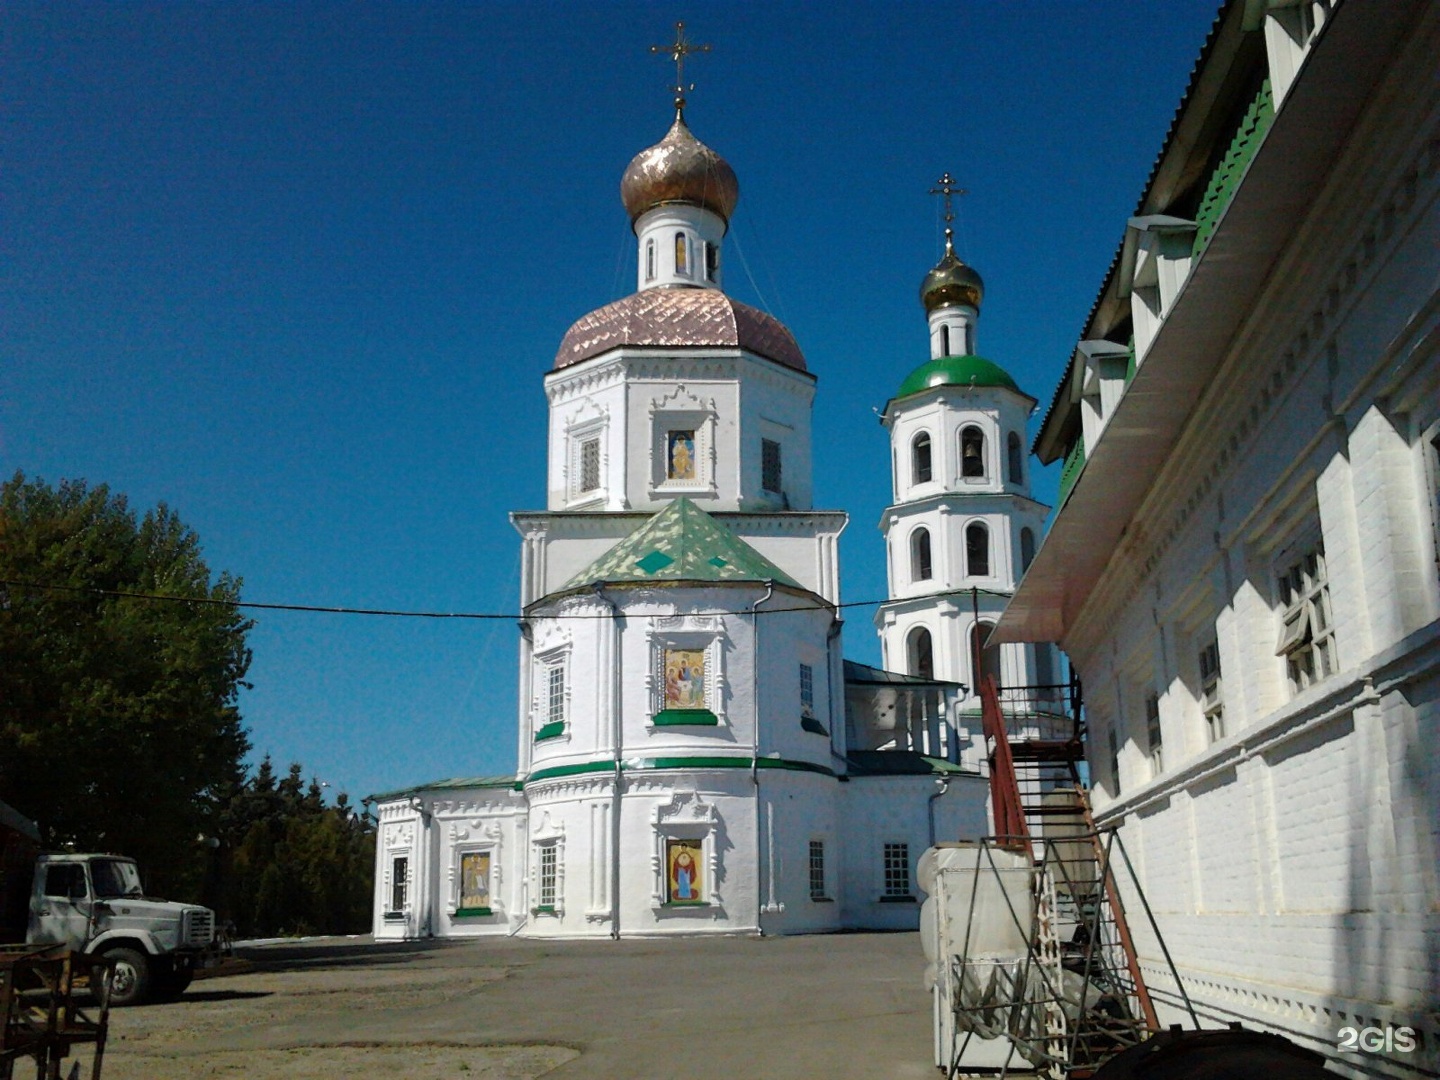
pixel 951 283
pixel 679 169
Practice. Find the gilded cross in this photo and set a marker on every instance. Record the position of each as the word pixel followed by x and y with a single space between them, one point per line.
pixel 678 51
pixel 948 189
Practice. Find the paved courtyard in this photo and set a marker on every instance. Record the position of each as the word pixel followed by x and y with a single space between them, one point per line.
pixel 834 1006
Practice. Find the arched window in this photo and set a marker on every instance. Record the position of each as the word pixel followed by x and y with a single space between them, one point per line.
pixel 712 261
pixel 921 653
pixel 972 452
pixel 682 255
pixel 920 471
pixel 649 260
pixel 944 341
pixel 1027 549
pixel 989 655
pixel 977 550
pixel 920 555
pixel 1017 459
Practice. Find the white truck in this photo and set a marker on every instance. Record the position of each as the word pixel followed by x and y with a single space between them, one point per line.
pixel 94 903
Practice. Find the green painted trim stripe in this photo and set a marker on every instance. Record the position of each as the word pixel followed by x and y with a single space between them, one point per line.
pixel 682 762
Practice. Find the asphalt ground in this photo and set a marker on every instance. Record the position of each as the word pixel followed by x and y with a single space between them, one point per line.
pixel 836 1006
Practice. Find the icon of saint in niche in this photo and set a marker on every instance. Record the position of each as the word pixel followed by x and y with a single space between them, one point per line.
pixel 684 871
pixel 684 679
pixel 682 455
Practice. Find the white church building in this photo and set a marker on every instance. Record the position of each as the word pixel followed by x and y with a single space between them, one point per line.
pixel 694 754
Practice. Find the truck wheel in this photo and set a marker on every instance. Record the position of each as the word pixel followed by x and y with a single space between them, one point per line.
pixel 171 982
pixel 131 982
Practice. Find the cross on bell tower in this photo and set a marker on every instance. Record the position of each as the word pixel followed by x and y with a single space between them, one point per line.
pixel 678 50
pixel 948 190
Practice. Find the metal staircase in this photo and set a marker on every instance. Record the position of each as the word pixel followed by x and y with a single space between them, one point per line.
pixel 1079 997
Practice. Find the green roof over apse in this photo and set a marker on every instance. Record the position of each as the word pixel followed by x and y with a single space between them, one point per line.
pixel 681 543
pixel 966 370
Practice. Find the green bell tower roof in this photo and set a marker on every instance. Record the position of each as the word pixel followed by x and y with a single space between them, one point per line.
pixel 969 370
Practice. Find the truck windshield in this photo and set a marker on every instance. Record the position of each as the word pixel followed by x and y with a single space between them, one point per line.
pixel 115 877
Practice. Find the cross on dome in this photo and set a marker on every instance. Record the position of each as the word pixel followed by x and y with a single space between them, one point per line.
pixel 948 189
pixel 677 51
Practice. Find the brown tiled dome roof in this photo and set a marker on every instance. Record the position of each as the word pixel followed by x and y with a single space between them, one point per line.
pixel 670 317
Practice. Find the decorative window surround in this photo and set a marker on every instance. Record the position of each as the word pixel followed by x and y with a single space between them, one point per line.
pixel 703 633
pixel 476 838
pixel 1154 263
pixel 397 884
pixel 552 690
pixel 682 411
pixel 582 465
pixel 686 817
pixel 547 883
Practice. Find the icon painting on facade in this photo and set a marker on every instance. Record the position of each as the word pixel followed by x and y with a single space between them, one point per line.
pixel 680 451
pixel 682 861
pixel 684 678
pixel 475 880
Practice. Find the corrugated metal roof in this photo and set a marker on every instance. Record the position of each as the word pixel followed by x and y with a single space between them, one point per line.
pixel 460 783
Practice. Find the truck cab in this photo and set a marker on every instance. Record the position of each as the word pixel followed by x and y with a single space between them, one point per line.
pixel 94 903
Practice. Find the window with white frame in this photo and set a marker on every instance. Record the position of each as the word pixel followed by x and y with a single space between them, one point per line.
pixel 1307 631
pixel 1212 707
pixel 771 477
pixel 589 465
pixel 817 870
pixel 1113 745
pixel 549 859
pixel 399 883
pixel 1153 742
pixel 807 690
pixel 712 261
pixel 552 695
pixel 897 871
pixel 649 260
pixel 682 255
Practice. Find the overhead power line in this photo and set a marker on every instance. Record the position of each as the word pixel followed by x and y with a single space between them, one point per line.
pixel 388 612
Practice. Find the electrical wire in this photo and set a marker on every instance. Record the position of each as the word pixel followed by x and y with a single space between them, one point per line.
pixel 387 612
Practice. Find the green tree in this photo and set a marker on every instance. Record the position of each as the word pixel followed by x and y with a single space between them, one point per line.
pixel 118 722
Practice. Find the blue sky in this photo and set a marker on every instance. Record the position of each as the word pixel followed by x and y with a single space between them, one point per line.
pixel 298 270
